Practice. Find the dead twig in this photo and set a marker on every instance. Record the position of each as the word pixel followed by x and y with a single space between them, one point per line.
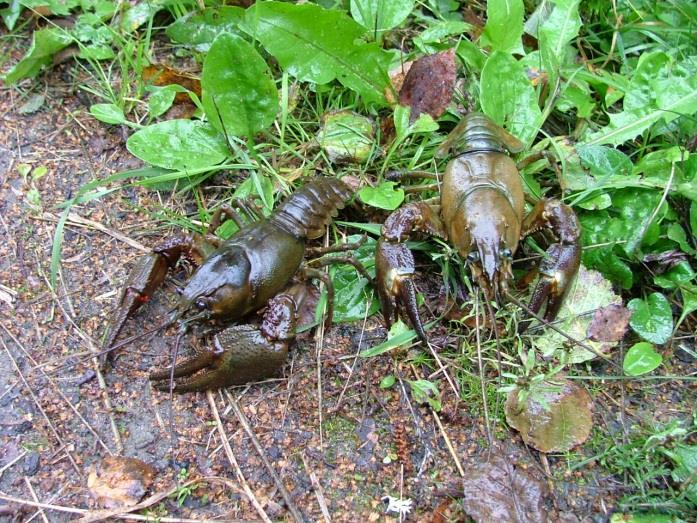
pixel 319 492
pixel 233 461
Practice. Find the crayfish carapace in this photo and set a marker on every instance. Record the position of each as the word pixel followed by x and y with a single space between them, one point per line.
pixel 235 277
pixel 481 212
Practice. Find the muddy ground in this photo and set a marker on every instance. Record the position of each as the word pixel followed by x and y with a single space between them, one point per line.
pixel 337 441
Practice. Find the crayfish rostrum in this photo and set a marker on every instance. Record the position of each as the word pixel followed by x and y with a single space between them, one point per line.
pixel 481 212
pixel 235 277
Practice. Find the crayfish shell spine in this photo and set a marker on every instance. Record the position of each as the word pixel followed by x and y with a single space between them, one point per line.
pixel 307 212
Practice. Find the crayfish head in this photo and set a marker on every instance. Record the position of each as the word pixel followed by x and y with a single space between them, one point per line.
pixel 490 260
pixel 220 288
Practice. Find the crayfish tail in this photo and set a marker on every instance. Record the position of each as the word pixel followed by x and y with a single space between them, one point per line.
pixel 307 212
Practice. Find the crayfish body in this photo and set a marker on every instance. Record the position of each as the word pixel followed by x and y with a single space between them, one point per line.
pixel 481 212
pixel 234 278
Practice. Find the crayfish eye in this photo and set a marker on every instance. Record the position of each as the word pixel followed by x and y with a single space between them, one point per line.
pixel 473 257
pixel 201 304
pixel 506 253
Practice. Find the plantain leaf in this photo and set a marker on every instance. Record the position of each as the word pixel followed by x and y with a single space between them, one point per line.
pixel 45 43
pixel 237 88
pixel 379 16
pixel 504 25
pixel 199 30
pixel 179 144
pixel 319 45
pixel 555 33
pixel 508 98
pixel 659 90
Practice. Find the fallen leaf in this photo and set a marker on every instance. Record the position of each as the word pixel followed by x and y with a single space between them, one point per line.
pixel 555 417
pixel 161 75
pixel 346 137
pixel 120 481
pixel 609 323
pixel 589 291
pixel 497 490
pixel 428 86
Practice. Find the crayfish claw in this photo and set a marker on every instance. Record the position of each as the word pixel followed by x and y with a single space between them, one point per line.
pixel 394 266
pixel 242 353
pixel 146 276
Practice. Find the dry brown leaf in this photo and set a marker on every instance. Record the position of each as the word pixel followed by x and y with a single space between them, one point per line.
pixel 161 75
pixel 497 490
pixel 429 84
pixel 119 481
pixel 555 417
pixel 609 323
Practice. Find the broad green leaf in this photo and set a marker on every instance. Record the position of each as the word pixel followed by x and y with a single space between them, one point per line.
pixel 471 55
pixel 504 25
pixel 354 298
pixel 423 124
pixel 676 276
pixel 384 196
pixel 659 90
pixel 604 161
pixel 508 98
pixel 693 217
pixel 387 381
pixel 676 233
pixel 378 16
pixel 199 29
pixel 346 136
pixel 555 416
pixel 652 318
pixel 435 37
pixel 139 13
pixel 237 88
pixel 555 34
pixel 179 144
pixel 10 14
pixel 45 43
pixel 162 98
pixel 108 113
pixel 685 459
pixel 319 45
pixel 641 358
pixel 599 229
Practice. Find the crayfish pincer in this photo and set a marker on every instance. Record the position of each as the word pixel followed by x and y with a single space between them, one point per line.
pixel 234 278
pixel 480 212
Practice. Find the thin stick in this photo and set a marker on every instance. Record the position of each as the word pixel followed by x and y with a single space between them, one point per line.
pixel 78 221
pixel 33 495
pixel 448 443
pixel 319 493
pixel 297 515
pixel 233 461
pixel 90 516
pixel 41 409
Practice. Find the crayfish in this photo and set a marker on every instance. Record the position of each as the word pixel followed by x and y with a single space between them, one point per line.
pixel 234 278
pixel 481 212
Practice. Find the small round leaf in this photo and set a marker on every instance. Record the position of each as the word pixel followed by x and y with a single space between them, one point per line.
pixel 652 318
pixel 640 359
